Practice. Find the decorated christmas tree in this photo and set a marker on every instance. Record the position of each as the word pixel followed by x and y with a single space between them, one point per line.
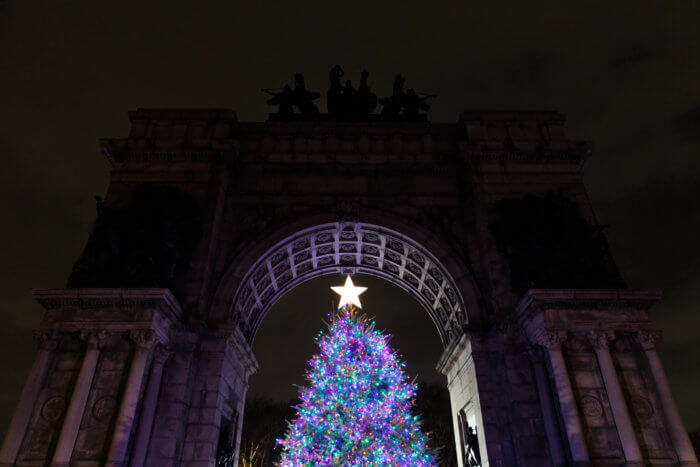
pixel 356 408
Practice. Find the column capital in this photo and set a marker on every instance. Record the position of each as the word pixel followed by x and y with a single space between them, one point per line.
pixel 600 339
pixel 647 338
pixel 535 353
pixel 551 340
pixel 94 339
pixel 162 353
pixel 45 339
pixel 144 339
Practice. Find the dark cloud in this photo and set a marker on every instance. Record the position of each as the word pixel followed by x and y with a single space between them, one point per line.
pixel 624 72
pixel 688 124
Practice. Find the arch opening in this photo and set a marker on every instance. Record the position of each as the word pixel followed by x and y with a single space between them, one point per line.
pixel 349 248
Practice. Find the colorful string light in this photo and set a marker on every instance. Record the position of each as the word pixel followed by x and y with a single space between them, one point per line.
pixel 356 409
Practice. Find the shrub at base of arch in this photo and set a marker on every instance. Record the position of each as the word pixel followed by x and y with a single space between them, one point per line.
pixel 357 409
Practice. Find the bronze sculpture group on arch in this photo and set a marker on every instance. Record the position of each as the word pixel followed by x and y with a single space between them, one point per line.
pixel 144 357
pixel 346 102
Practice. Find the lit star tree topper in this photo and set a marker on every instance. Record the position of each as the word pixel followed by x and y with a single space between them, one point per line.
pixel 349 293
pixel 356 409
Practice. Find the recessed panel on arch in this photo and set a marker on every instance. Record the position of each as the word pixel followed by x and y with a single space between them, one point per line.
pixel 348 248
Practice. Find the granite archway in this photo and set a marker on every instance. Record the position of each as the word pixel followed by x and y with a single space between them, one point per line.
pixel 349 248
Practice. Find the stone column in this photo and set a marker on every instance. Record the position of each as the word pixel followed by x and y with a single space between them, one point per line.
pixel 239 425
pixel 144 342
pixel 674 422
pixel 81 390
pixel 148 410
pixel 46 341
pixel 551 422
pixel 600 340
pixel 552 342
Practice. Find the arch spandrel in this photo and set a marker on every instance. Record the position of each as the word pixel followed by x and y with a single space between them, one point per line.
pixel 257 279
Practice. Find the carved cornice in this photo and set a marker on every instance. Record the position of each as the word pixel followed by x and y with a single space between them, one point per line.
pixel 599 311
pixel 105 297
pixel 468 340
pixel 234 342
pixel 573 156
pixel 451 353
pixel 113 310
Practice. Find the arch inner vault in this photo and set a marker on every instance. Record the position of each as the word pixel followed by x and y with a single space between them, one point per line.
pixel 348 248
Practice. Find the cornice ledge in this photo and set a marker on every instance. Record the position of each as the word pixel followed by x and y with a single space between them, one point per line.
pixel 236 341
pixel 109 297
pixel 449 355
pixel 537 300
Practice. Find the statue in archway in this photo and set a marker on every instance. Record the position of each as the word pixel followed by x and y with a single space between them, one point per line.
pixel 472 448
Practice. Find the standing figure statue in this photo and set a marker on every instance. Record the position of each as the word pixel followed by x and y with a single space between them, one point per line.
pixel 365 99
pixel 472 448
pixel 284 100
pixel 303 98
pixel 413 103
pixel 334 95
pixel 348 100
pixel 393 104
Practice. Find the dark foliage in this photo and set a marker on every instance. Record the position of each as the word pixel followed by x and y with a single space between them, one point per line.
pixel 147 244
pixel 549 244
pixel 433 405
pixel 264 422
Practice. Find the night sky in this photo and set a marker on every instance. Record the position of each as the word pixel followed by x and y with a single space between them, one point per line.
pixel 625 73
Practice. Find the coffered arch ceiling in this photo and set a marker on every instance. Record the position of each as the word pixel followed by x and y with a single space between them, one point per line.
pixel 349 248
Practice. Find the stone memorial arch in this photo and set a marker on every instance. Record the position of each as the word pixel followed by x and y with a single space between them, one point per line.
pixel 144 357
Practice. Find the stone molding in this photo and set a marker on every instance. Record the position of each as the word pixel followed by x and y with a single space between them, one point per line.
pixel 451 354
pixel 576 310
pixel 239 345
pixel 469 341
pixel 112 310
pixel 211 135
